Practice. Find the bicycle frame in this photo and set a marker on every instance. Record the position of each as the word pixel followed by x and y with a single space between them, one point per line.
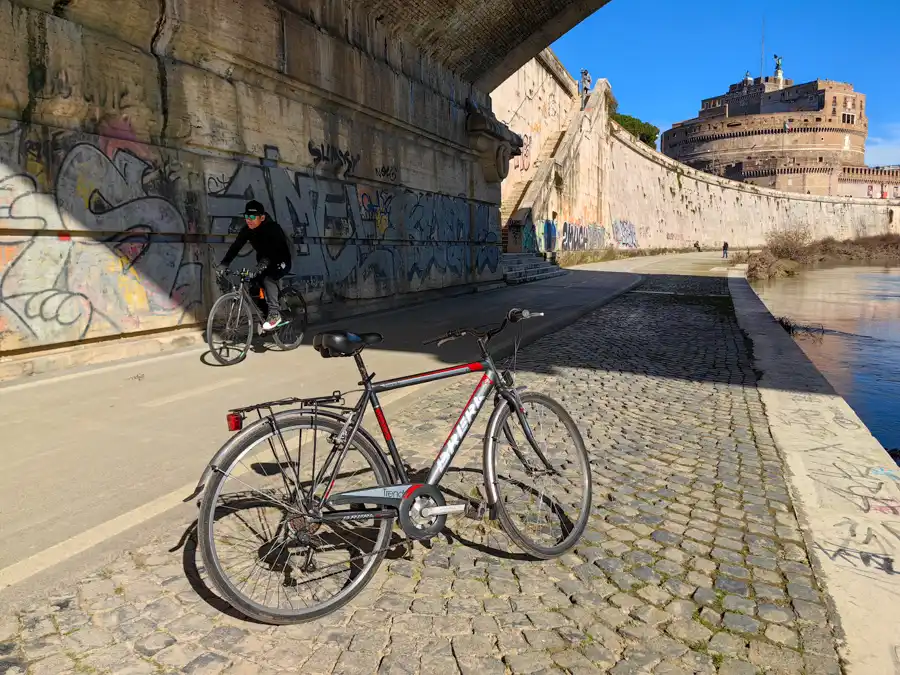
pixel 393 495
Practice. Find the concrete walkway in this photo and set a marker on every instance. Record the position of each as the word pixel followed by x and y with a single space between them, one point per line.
pixel 89 454
pixel 845 489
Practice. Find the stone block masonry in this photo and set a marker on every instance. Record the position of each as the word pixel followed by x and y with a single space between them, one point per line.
pixel 131 135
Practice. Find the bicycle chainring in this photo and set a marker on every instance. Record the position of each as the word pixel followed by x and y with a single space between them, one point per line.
pixel 414 525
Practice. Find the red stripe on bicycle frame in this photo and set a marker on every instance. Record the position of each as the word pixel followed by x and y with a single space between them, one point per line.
pixel 465 407
pixel 412 488
pixel 383 424
pixel 471 366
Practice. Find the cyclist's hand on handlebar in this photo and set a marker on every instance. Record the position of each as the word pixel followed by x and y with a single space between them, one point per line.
pixel 516 314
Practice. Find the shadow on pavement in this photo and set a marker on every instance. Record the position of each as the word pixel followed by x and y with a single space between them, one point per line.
pixel 670 325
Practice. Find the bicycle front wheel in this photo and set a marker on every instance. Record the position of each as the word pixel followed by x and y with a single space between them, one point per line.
pixel 265 552
pixel 293 308
pixel 544 487
pixel 229 329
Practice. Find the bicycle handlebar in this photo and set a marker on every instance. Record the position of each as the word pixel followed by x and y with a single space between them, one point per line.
pixel 513 316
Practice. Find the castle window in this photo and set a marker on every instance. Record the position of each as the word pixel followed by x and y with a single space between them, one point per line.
pixel 821 158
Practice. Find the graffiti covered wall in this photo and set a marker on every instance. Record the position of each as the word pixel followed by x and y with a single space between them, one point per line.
pixel 130 142
pixel 102 237
pixel 97 237
pixel 561 209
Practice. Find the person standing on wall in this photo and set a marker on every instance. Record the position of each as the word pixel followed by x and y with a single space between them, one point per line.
pixel 273 255
pixel 725 249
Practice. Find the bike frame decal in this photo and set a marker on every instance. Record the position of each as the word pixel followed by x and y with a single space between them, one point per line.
pixel 460 429
pixel 392 495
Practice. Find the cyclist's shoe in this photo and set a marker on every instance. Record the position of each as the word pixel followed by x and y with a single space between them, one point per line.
pixel 272 321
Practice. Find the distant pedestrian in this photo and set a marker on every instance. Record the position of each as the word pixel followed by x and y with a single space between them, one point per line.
pixel 725 250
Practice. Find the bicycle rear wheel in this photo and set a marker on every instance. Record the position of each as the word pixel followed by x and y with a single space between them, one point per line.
pixel 231 322
pixel 264 553
pixel 535 498
pixel 293 308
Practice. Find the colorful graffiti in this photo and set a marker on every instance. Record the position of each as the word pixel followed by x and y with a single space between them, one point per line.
pixel 92 241
pixel 355 241
pixel 549 235
pixel 583 237
pixel 624 234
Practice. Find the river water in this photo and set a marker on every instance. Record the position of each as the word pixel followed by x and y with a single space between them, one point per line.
pixel 859 353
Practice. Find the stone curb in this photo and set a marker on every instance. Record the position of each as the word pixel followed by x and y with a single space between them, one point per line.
pixel 845 493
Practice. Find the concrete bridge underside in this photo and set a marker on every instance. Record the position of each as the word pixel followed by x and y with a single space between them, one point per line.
pixel 482 42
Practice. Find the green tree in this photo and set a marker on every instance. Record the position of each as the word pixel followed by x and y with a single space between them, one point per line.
pixel 643 131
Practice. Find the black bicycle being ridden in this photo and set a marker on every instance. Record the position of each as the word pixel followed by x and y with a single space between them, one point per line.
pixel 229 329
pixel 333 501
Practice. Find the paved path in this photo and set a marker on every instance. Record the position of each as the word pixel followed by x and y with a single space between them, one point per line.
pixel 125 440
pixel 693 561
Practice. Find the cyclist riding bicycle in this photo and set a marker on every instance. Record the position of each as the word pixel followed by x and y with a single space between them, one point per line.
pixel 273 255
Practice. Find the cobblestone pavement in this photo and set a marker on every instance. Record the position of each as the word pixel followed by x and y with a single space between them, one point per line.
pixel 692 563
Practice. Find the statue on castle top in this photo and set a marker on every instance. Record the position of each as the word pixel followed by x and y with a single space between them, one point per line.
pixel 777 63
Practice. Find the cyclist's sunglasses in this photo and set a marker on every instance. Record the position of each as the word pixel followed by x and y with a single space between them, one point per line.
pixel 252 216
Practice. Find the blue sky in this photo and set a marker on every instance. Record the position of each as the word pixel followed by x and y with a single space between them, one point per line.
pixel 662 57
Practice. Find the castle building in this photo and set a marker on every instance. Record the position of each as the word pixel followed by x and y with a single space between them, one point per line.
pixel 808 138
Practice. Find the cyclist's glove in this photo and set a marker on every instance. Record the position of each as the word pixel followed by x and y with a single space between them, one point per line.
pixel 261 267
pixel 221 270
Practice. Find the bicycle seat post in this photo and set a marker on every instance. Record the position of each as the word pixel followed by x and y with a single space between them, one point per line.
pixel 363 371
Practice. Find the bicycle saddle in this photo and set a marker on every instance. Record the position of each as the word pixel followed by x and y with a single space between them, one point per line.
pixel 343 343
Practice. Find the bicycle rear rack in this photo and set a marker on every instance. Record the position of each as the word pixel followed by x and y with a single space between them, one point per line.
pixel 235 416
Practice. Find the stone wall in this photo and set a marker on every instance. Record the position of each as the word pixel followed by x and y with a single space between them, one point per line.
pixel 665 203
pixel 561 204
pixel 536 103
pixel 133 131
pixel 603 188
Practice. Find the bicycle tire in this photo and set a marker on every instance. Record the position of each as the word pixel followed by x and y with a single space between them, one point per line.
pixel 292 304
pixel 504 413
pixel 285 421
pixel 217 306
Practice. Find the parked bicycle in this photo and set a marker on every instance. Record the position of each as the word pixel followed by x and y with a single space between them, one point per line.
pixel 233 316
pixel 326 538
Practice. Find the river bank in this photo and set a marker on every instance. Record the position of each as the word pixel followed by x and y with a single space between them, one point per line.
pixel 846 319
pixel 788 252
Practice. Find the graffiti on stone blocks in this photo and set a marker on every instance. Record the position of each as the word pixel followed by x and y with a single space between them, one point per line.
pixel 624 234
pixel 94 237
pixel 583 237
pixel 549 235
pixel 529 238
pixel 357 241
pixel 331 158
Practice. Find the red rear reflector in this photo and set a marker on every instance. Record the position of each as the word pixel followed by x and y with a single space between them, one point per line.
pixel 235 421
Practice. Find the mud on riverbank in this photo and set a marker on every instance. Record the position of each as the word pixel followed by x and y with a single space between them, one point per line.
pixel 786 253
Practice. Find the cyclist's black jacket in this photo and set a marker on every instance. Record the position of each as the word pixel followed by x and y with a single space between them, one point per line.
pixel 268 240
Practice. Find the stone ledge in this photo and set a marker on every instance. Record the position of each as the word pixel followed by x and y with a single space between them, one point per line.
pixel 845 488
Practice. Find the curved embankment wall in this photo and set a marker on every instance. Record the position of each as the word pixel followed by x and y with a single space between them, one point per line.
pixel 600 187
pixel 667 204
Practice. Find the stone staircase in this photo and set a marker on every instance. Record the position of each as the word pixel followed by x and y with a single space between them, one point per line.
pixel 508 207
pixel 520 268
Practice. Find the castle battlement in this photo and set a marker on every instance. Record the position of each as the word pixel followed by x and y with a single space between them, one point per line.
pixel 808 137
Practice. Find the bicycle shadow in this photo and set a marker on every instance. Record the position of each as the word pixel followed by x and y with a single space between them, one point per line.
pixel 197 576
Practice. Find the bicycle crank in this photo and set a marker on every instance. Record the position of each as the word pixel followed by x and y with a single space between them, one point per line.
pixel 411 514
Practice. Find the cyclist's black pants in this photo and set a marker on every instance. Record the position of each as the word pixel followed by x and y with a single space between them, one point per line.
pixel 269 280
